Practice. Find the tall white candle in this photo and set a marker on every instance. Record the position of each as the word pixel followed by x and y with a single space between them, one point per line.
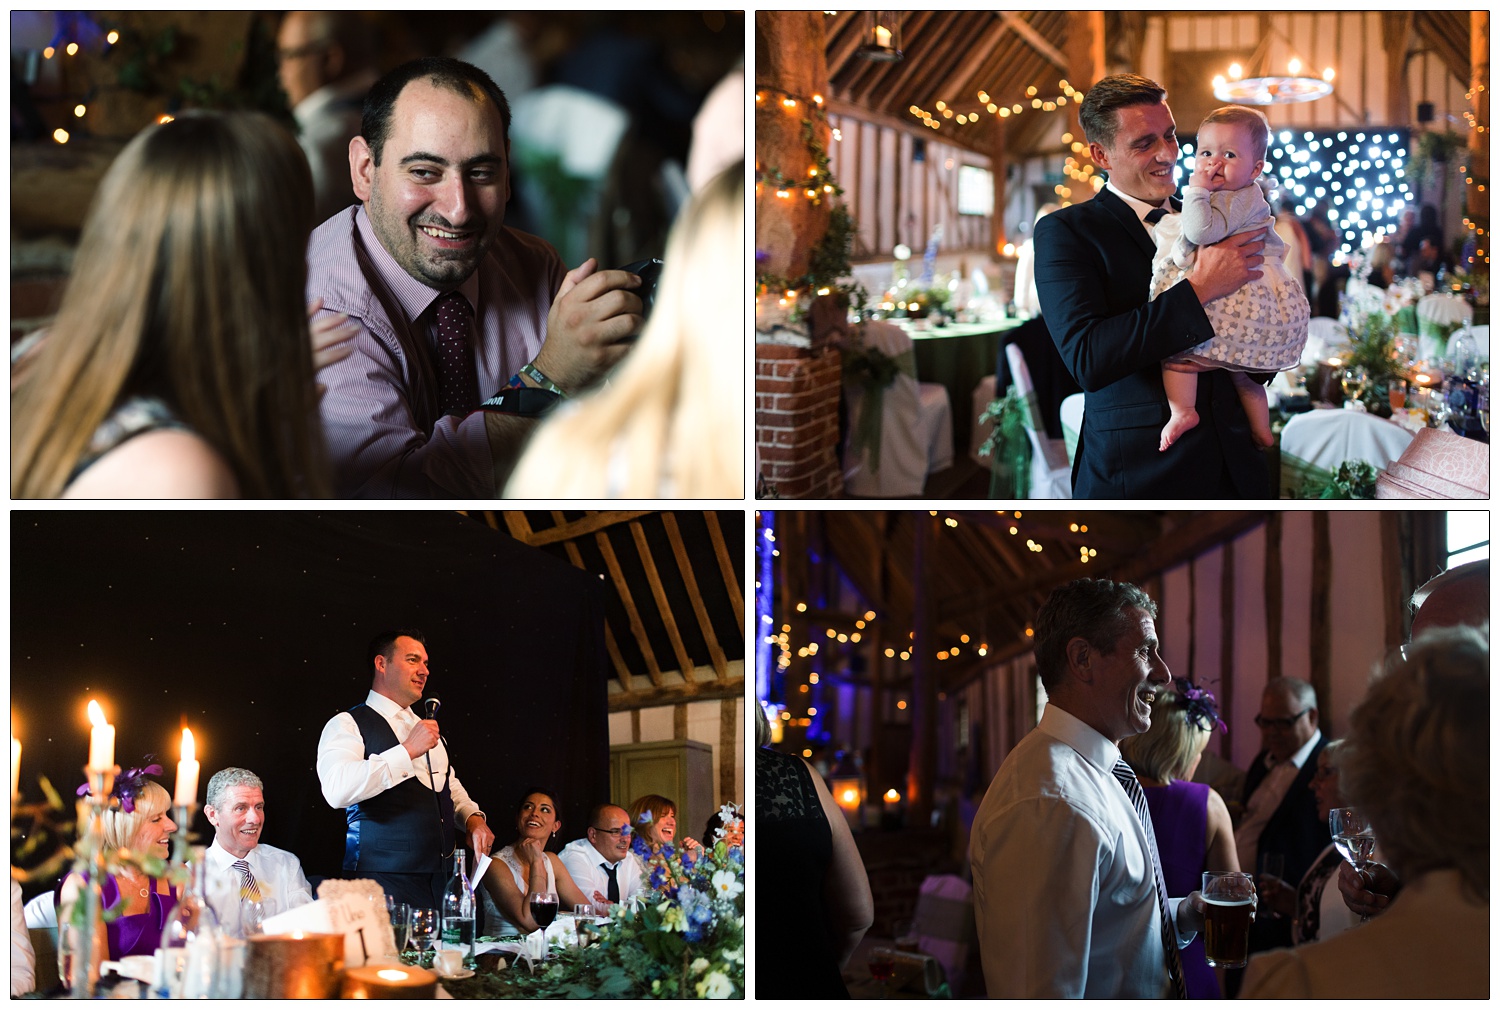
pixel 186 793
pixel 882 37
pixel 15 768
pixel 101 739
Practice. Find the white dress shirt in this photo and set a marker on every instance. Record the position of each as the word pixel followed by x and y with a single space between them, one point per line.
pixel 586 866
pixel 348 777
pixel 1064 892
pixel 278 874
pixel 1267 799
pixel 1141 207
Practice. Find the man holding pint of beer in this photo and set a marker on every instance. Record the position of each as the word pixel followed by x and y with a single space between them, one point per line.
pixel 1067 880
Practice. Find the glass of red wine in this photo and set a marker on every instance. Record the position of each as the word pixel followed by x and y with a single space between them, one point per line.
pixel 543 911
pixel 883 968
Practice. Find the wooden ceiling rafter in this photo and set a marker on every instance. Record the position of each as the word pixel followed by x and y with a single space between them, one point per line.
pixel 1018 24
pixel 622 672
pixel 726 568
pixel 685 664
pixel 632 613
pixel 685 566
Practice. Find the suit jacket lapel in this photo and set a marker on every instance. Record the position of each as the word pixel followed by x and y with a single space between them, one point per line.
pixel 1122 212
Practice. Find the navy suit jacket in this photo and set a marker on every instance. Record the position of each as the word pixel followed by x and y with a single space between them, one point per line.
pixel 1296 831
pixel 1093 277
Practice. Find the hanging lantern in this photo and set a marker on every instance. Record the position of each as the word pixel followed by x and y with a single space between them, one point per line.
pixel 882 36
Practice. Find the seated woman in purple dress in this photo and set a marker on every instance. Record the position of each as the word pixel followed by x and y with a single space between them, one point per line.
pixel 1193 831
pixel 142 825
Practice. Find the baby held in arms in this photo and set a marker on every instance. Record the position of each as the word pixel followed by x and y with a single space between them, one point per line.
pixel 1262 326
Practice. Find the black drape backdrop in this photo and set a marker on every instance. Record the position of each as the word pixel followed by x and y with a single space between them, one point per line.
pixel 251 629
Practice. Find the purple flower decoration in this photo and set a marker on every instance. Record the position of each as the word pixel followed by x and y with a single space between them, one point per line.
pixel 128 784
pixel 1202 709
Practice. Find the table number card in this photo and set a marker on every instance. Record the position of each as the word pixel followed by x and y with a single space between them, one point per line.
pixel 356 908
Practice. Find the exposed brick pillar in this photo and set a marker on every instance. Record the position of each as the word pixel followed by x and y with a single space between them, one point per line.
pixel 797 419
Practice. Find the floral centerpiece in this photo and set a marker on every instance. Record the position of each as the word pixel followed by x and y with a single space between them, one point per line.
pixel 682 938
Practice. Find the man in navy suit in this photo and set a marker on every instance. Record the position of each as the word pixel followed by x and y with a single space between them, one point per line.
pixel 1093 277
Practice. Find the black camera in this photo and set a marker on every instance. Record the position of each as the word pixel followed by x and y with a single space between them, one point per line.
pixel 649 271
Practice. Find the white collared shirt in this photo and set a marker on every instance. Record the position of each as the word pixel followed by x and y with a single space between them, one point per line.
pixel 1267 798
pixel 586 866
pixel 1064 891
pixel 1141 207
pixel 278 874
pixel 348 777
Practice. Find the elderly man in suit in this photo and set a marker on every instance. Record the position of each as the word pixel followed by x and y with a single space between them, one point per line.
pixel 1093 278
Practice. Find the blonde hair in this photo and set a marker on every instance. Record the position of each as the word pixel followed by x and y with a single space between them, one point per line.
pixel 189 286
pixel 1254 124
pixel 120 828
pixel 671 422
pixel 659 806
pixel 1167 750
pixel 1416 760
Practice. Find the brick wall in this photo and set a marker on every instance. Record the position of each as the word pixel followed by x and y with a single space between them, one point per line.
pixel 797 419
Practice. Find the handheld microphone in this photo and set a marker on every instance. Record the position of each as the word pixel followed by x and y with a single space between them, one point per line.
pixel 430 707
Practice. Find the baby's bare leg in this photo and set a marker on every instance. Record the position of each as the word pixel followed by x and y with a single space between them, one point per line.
pixel 1253 398
pixel 1182 397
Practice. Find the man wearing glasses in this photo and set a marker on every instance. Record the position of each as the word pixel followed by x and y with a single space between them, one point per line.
pixel 602 864
pixel 1281 812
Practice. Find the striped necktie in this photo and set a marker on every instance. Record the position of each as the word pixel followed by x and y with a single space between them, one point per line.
pixel 1137 795
pixel 249 888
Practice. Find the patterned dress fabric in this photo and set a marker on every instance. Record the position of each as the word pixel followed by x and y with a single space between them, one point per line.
pixel 1262 327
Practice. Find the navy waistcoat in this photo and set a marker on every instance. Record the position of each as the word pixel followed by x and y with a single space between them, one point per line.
pixel 400 830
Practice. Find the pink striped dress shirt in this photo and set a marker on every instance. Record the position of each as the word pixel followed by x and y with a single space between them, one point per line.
pixel 379 413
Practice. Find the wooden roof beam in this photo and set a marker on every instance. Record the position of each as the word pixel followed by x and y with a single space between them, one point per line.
pixel 979 54
pixel 1035 39
pixel 685 565
pixel 726 567
pixel 590 523
pixel 663 605
pixel 623 588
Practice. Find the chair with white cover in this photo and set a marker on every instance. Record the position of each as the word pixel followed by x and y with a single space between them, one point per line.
pixel 41 911
pixel 1323 439
pixel 1481 335
pixel 1051 474
pixel 979 402
pixel 944 925
pixel 898 433
pixel 1322 332
pixel 1071 413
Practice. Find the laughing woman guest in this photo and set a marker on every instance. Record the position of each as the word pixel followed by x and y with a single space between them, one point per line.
pixel 140 824
pixel 1191 820
pixel 179 363
pixel 654 819
pixel 525 868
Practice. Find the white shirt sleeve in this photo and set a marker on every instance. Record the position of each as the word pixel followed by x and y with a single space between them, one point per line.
pixel 582 863
pixel 22 957
pixel 346 775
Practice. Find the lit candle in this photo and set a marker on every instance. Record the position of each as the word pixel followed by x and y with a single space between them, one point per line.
pixel 882 37
pixel 101 739
pixel 892 798
pixel 15 769
pixel 186 793
pixel 388 982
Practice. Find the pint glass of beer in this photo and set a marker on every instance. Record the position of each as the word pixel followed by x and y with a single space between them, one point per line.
pixel 1229 905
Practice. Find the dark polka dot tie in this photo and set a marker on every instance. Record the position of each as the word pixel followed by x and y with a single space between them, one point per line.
pixel 458 378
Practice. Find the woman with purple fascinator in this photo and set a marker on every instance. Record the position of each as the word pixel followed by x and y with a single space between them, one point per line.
pixel 1193 830
pixel 136 905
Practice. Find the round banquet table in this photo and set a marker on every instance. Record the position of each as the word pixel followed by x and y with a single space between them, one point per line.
pixel 1326 438
pixel 957 356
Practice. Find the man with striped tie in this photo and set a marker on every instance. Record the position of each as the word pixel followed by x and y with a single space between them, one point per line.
pixel 1067 882
pixel 248 880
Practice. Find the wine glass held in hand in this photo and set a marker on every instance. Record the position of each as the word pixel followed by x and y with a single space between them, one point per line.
pixel 1353 837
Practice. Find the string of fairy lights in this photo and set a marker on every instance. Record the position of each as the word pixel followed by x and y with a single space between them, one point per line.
pixel 831 640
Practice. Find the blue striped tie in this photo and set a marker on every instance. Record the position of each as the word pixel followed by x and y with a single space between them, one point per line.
pixel 1132 788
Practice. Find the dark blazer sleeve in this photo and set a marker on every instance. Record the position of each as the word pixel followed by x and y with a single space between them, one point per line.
pixel 1093 280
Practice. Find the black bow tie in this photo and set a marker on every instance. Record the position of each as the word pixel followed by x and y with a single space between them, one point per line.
pixel 1153 216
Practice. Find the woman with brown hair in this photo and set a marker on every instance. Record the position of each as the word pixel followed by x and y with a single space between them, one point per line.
pixel 179 362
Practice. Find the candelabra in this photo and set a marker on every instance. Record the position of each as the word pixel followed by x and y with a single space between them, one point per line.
pixel 87 948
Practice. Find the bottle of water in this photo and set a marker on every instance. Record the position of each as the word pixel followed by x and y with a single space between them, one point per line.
pixel 189 955
pixel 458 908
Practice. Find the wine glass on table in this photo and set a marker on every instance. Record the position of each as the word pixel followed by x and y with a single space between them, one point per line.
pixel 1355 380
pixel 423 929
pixel 882 963
pixel 543 911
pixel 400 913
pixel 1354 838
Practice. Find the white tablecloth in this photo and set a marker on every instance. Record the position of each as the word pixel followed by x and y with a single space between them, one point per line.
pixel 1326 438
